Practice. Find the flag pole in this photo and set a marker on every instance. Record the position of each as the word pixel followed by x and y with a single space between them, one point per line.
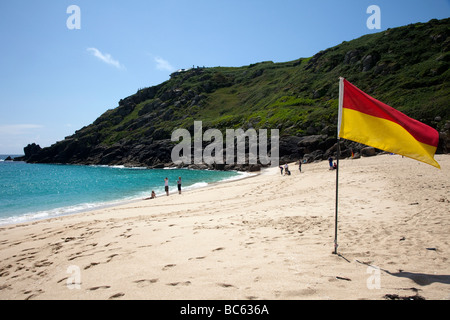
pixel 338 154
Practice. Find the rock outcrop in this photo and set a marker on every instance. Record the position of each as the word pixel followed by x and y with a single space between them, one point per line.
pixel 30 151
pixel 405 67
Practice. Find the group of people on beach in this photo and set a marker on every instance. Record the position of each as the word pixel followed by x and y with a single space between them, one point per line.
pixel 333 165
pixel 166 188
pixel 286 170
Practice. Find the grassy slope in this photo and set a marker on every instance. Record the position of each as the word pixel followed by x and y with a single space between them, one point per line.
pixel 409 71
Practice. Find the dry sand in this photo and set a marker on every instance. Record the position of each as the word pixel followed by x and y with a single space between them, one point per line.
pixel 264 237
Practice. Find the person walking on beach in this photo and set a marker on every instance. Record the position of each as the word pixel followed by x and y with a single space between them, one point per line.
pixel 179 185
pixel 281 168
pixel 300 165
pixel 330 161
pixel 166 185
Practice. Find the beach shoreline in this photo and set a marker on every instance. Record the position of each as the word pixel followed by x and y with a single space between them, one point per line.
pixel 93 206
pixel 268 237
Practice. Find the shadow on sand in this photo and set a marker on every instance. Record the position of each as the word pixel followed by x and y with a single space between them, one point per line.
pixel 422 279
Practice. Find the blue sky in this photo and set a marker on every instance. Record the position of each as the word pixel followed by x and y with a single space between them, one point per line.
pixel 55 80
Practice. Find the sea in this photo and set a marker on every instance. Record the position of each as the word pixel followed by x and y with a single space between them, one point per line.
pixel 31 192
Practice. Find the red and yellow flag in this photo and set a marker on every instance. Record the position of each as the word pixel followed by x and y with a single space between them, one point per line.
pixel 368 121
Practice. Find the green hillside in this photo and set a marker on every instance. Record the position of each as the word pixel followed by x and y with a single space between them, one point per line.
pixel 406 67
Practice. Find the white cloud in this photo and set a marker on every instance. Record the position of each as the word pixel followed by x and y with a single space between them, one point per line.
pixel 18 129
pixel 13 137
pixel 164 65
pixel 105 57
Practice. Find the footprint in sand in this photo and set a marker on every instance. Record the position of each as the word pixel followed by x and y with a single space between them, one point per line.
pixel 174 284
pixel 117 295
pixel 3 273
pixel 197 258
pixel 226 285
pixel 33 294
pixel 111 257
pixel 42 263
pixel 145 282
pixel 99 287
pixel 4 286
pixel 166 267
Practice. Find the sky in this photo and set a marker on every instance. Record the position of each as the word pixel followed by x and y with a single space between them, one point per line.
pixel 61 68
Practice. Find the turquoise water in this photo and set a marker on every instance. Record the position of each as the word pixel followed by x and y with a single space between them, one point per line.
pixel 36 191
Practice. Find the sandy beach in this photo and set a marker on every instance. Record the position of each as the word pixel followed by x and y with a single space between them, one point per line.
pixel 264 237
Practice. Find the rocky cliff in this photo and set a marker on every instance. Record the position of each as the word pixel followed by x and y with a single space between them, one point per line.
pixel 405 67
